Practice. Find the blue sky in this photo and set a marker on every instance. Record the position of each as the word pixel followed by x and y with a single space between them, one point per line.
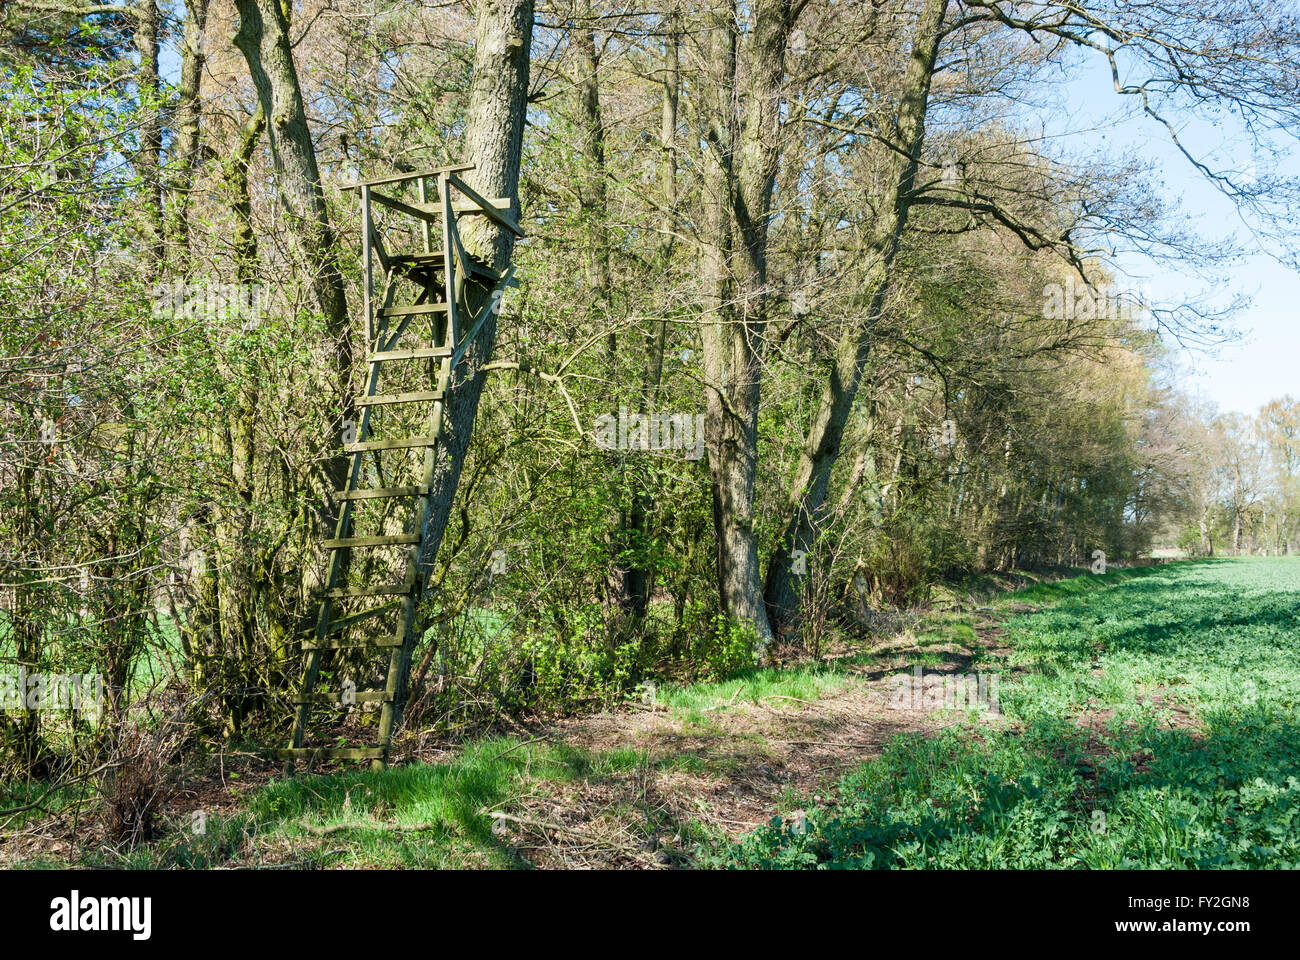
pixel 1243 375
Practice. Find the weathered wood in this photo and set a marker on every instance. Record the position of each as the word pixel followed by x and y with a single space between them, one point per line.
pixel 471 207
pixel 417 396
pixel 335 697
pixel 434 258
pixel 467 208
pixel 340 543
pixel 493 214
pixel 449 239
pixel 368 644
pixel 417 265
pixel 377 242
pixel 382 590
pixel 416 310
pixel 415 353
pixel 398 443
pixel 403 177
pixel 426 228
pixel 367 267
pixel 410 209
pixel 353 619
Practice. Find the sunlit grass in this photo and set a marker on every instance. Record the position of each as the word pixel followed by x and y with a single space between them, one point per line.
pixel 1190 674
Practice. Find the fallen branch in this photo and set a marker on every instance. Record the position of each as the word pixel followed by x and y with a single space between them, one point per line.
pixel 719 706
pixel 544 825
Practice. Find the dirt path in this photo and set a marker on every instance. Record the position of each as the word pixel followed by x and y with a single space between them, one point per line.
pixel 733 766
pixel 722 767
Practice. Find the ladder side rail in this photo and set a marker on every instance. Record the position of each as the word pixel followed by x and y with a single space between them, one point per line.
pixel 337 557
pixel 400 655
pixel 367 266
pixel 449 261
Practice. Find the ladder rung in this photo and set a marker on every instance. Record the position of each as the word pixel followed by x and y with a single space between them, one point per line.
pixel 373 493
pixel 401 443
pixel 416 310
pixel 382 643
pixel 379 399
pixel 383 590
pixel 431 256
pixel 387 541
pixel 355 618
pixel 335 697
pixel 415 353
pixel 331 753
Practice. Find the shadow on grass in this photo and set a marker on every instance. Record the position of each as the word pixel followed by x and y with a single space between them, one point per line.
pixel 1125 789
pixel 1048 799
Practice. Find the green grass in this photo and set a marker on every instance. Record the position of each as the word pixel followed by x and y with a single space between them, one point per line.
pixel 451 801
pixel 804 682
pixel 1211 645
pixel 450 804
pixel 1188 675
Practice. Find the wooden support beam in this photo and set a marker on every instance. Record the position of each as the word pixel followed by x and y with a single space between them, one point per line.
pixel 383 590
pixel 416 310
pixel 493 214
pixel 413 175
pixel 400 443
pixel 415 353
pixel 382 643
pixel 411 210
pixel 416 396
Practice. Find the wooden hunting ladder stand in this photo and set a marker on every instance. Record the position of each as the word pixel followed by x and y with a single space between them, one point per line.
pixel 366 624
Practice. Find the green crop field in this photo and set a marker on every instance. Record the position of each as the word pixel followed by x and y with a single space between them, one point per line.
pixel 1150 723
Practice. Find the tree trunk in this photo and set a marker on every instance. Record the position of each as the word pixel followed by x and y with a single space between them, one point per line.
pixel 263 38
pixel 730 365
pixel 189 113
pixel 494 144
pixel 822 445
pixel 148 160
pixel 739 175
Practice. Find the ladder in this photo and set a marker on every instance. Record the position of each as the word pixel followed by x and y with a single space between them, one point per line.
pixel 366 625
